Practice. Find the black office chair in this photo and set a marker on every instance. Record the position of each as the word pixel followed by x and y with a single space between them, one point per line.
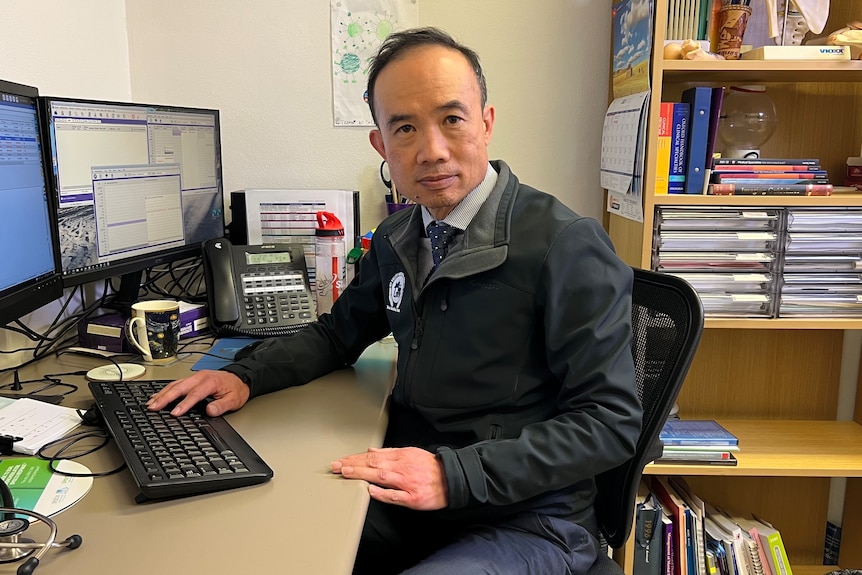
pixel 667 321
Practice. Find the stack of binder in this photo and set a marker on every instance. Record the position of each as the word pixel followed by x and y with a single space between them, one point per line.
pixel 729 255
pixel 822 263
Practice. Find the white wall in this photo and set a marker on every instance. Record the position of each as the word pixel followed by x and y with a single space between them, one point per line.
pixel 267 66
pixel 76 49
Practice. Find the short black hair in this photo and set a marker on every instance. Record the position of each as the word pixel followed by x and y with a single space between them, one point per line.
pixel 397 43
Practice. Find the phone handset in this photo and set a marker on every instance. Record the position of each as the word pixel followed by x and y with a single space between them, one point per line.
pixel 221 286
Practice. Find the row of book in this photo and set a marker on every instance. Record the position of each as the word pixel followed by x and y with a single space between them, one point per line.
pixel 678 533
pixel 692 19
pixel 686 138
pixel 764 261
pixel 768 177
pixel 697 442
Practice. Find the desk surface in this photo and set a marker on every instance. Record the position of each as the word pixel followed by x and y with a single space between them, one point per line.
pixel 304 520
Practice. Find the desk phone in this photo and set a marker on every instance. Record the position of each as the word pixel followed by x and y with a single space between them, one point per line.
pixel 257 291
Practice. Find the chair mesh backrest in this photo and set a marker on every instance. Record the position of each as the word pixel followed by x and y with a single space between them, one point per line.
pixel 667 321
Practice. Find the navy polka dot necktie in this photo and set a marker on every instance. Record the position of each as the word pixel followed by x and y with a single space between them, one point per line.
pixel 441 235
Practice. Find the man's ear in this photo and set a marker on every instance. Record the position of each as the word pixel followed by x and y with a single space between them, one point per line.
pixel 488 117
pixel 376 139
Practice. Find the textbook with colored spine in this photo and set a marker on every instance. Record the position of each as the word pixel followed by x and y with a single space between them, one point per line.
pixel 766 162
pixel 662 173
pixel 678 148
pixel 813 177
pixel 769 189
pixel 696 432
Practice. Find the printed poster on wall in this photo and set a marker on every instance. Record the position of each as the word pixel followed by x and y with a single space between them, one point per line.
pixel 358 29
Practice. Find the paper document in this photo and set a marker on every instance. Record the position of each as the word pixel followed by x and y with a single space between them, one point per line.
pixel 290 216
pixel 37 422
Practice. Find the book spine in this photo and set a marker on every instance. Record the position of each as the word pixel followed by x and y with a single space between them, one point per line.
pixel 718 177
pixel 663 152
pixel 679 136
pixel 770 190
pixel 667 547
pixel 695 454
pixel 699 98
pixel 698 441
pixel 716 101
pixel 832 545
pixel 767 181
pixel 768 169
pixel 765 567
pixel 779 554
pixel 765 162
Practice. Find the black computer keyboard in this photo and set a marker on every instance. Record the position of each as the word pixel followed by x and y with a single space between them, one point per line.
pixel 175 456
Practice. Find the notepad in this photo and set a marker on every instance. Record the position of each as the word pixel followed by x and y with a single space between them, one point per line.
pixel 37 422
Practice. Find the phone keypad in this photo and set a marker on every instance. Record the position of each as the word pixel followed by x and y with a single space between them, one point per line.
pixel 274 297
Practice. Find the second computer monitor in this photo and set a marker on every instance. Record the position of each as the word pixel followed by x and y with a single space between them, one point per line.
pixel 136 184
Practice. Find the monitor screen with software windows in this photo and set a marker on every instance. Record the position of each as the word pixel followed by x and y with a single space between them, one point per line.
pixel 29 263
pixel 136 185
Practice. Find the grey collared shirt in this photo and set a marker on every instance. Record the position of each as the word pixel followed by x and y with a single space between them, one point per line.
pixel 460 217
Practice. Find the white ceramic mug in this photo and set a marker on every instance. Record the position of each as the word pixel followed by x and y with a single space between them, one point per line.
pixel 154 329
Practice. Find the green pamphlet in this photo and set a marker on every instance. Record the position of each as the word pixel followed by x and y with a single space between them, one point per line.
pixel 36 488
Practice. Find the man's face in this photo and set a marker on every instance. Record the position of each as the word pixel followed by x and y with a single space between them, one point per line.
pixel 432 131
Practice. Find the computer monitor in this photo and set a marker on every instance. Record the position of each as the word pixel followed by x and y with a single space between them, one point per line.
pixel 29 261
pixel 136 185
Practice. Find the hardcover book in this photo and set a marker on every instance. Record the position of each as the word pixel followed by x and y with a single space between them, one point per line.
pixel 766 162
pixel 678 147
pixel 769 189
pixel 696 432
pixel 662 171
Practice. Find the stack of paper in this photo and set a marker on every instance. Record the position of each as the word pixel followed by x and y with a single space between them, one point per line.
pixel 36 422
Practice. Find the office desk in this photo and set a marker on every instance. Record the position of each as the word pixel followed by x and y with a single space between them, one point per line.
pixel 305 520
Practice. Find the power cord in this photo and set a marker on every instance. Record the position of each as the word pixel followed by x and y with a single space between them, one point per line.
pixel 65 444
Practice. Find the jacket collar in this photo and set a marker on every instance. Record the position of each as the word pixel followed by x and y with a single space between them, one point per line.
pixel 486 239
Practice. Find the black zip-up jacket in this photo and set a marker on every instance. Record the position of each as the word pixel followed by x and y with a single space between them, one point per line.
pixel 514 360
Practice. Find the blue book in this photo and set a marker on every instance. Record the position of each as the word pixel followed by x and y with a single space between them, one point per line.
pixel 678 136
pixel 695 432
pixel 700 100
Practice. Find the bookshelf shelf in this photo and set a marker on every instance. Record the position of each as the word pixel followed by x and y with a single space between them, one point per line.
pixel 819 323
pixel 785 448
pixel 762 71
pixel 836 200
pixel 778 384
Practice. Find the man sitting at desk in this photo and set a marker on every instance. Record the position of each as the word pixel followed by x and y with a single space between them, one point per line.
pixel 515 382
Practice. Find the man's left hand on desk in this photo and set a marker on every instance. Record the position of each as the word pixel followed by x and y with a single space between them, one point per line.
pixel 405 476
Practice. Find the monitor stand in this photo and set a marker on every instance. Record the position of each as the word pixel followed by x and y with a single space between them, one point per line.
pixel 130 288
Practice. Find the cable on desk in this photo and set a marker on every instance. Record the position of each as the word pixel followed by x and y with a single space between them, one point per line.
pixel 68 442
pixel 48 381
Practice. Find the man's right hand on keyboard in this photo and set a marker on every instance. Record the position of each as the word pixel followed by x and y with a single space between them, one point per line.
pixel 228 391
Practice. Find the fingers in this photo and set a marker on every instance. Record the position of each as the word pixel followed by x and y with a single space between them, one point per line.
pixel 410 477
pixel 228 391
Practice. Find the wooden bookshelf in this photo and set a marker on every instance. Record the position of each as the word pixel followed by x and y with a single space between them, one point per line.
pixel 775 383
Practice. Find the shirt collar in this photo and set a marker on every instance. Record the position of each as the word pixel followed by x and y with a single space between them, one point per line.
pixel 462 214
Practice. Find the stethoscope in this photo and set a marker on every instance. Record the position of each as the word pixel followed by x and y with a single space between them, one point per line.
pixel 13 547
